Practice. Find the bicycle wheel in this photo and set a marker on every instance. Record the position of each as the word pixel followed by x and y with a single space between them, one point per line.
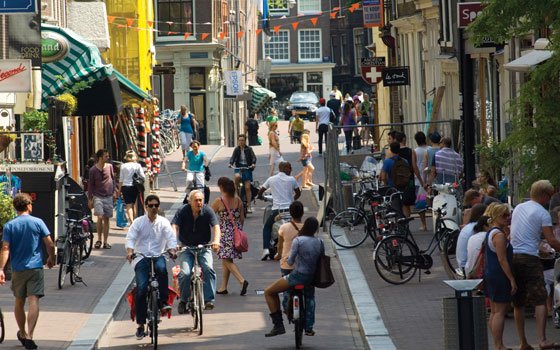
pixel 76 262
pixel 200 305
pixel 449 257
pixel 154 319
pixel 348 228
pixel 2 327
pixel 299 324
pixel 395 259
pixel 88 241
pixel 64 264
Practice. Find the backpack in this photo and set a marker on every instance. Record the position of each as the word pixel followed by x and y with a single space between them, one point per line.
pixel 400 173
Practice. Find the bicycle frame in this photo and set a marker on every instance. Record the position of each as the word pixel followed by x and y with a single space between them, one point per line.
pixel 297 301
pixel 196 298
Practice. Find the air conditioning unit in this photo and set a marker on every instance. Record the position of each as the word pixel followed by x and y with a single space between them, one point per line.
pixel 6 118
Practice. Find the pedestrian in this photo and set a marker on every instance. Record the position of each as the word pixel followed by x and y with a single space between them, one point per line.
pixel 335 104
pixel 475 241
pixel 206 231
pixel 337 93
pixel 365 111
pixel 529 220
pixel 252 130
pixel 297 127
pixel 229 209
pixel 185 132
pixel 286 235
pixel 22 241
pixel 243 157
pixel 126 188
pixel 395 173
pixel 274 155
pixel 102 193
pixel 305 157
pixel 348 121
pixel 195 127
pixel 420 177
pixel 409 191
pixel 447 166
pixel 435 139
pixel 304 253
pixel 466 232
pixel 322 120
pixel 272 117
pixel 499 281
pixel 150 234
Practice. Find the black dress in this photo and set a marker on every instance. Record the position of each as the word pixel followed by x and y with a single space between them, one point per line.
pixel 496 283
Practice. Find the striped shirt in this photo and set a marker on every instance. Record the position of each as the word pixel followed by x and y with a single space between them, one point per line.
pixel 448 163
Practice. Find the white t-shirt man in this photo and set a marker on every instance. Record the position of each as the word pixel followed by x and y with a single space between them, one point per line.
pixel 473 249
pixel 527 222
pixel 282 187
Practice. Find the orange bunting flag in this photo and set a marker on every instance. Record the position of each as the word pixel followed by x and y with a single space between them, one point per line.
pixel 121 26
pixel 111 19
pixel 294 25
pixel 204 36
pixel 314 20
pixel 129 22
pixel 240 35
pixel 276 29
pixel 258 31
pixel 172 33
pixel 150 23
pixel 354 7
pixel 187 35
pixel 333 15
pixel 137 29
pixel 222 35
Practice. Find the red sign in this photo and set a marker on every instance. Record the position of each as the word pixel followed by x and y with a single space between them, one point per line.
pixel 371 69
pixel 15 76
pixel 467 13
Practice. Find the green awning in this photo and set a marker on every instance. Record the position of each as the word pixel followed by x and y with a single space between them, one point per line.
pixel 130 87
pixel 261 99
pixel 72 59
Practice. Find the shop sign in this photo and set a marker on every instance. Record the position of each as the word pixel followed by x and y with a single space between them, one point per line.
pixel 396 76
pixel 371 68
pixel 15 76
pixel 373 13
pixel 54 46
pixel 234 82
pixel 467 13
pixel 17 6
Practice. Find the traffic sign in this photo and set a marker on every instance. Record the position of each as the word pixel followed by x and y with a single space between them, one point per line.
pixel 161 70
pixel 17 6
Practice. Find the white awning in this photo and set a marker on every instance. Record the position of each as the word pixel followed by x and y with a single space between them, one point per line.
pixel 527 62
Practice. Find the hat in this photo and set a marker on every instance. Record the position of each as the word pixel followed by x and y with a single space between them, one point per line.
pixel 321 101
pixel 435 137
pixel 356 97
pixel 332 94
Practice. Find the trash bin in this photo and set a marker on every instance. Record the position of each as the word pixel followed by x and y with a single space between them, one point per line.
pixel 464 318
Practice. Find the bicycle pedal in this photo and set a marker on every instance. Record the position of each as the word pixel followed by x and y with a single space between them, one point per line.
pixel 427 272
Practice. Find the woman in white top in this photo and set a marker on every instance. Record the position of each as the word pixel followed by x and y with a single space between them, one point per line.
pixel 126 188
pixel 419 156
pixel 275 156
pixel 474 244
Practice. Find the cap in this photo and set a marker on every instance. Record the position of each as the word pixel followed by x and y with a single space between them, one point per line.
pixel 435 137
pixel 332 94
pixel 321 101
pixel 356 97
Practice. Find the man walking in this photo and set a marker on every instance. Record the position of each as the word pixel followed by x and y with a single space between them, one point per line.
pixel 447 166
pixel 196 223
pixel 150 235
pixel 102 195
pixel 528 221
pixel 323 116
pixel 23 238
pixel 252 130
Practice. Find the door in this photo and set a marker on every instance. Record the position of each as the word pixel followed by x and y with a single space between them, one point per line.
pixel 198 108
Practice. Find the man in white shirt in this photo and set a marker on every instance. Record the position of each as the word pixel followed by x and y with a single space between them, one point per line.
pixel 528 221
pixel 285 190
pixel 150 235
pixel 322 120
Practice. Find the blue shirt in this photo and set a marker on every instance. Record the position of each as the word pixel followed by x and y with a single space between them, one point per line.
pixel 196 162
pixel 24 234
pixel 388 164
pixel 185 123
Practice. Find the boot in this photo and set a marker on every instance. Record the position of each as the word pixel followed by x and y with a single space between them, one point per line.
pixel 278 327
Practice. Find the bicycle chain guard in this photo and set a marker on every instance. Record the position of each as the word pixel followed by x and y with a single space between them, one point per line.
pixel 425 261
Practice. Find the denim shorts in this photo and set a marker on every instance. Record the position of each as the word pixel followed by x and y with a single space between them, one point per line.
pixel 295 278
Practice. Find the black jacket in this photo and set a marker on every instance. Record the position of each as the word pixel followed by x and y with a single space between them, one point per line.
pixel 249 156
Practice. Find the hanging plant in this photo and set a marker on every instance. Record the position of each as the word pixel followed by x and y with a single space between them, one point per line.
pixel 35 120
pixel 70 101
pixel 7 212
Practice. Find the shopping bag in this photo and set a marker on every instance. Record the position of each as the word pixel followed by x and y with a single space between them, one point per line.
pixel 122 222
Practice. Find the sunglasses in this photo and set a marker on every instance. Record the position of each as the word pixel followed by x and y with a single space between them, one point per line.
pixel 152 205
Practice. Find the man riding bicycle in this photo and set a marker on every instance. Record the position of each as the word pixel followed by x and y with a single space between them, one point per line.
pixel 196 223
pixel 150 235
pixel 243 157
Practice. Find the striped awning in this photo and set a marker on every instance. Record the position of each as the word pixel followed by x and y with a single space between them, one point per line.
pixel 262 98
pixel 81 62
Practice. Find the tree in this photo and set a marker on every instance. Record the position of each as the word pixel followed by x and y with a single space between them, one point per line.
pixel 535 112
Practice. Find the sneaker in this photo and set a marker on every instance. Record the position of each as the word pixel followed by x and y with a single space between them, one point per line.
pixel 182 308
pixel 265 254
pixel 140 334
pixel 208 305
pixel 249 210
pixel 166 308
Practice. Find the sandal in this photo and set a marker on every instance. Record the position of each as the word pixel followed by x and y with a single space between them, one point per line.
pixel 97 245
pixel 106 246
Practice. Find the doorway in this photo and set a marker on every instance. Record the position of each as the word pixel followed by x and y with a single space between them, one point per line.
pixel 198 107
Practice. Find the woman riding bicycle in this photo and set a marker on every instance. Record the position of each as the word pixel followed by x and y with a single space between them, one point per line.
pixel 305 252
pixel 243 157
pixel 196 162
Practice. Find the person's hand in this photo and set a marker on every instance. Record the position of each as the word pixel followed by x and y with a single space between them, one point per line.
pixel 2 277
pixel 173 253
pixel 513 287
pixel 51 262
pixel 90 203
pixel 215 246
pixel 230 166
pixel 129 257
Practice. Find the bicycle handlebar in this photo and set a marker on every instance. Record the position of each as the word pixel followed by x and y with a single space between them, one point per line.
pixel 198 247
pixel 135 254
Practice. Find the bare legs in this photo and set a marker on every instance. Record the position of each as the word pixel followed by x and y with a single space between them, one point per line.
pixel 540 318
pixel 271 294
pixel 496 323
pixel 32 316
pixel 130 211
pixel 102 228
pixel 229 267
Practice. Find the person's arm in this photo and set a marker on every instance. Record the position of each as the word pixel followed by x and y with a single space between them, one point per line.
pixel 280 245
pixel 4 254
pixel 204 159
pixel 91 186
pixel 216 204
pixel 293 252
pixel 549 236
pixel 297 193
pixel 500 243
pixel 171 245
pixel 51 261
pixel 415 168
pixel 241 211
pixel 253 164
pixel 217 234
pixel 130 241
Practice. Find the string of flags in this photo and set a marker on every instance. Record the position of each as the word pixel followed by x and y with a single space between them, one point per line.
pixel 124 22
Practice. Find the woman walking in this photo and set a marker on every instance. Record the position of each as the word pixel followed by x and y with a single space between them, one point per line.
pixel 275 156
pixel 420 157
pixel 185 132
pixel 229 209
pixel 348 121
pixel 305 157
pixel 126 188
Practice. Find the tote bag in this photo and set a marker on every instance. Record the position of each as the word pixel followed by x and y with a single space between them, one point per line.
pixel 121 217
pixel 323 274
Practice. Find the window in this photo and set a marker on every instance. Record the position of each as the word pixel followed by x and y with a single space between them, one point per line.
pixel 358 49
pixel 343 50
pixel 310 45
pixel 177 11
pixel 309 6
pixel 278 7
pixel 278 47
pixel 315 82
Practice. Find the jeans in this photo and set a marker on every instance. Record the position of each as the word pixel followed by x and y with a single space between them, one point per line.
pixel 323 129
pixel 267 229
pixel 348 136
pixel 206 261
pixel 142 271
pixel 309 293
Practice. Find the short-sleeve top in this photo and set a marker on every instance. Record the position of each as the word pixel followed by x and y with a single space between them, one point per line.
pixel 527 221
pixel 185 125
pixel 196 161
pixel 24 235
pixel 195 231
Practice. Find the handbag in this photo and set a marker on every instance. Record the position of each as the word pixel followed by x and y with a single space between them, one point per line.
pixel 323 277
pixel 356 142
pixel 240 239
pixel 122 222
pixel 138 182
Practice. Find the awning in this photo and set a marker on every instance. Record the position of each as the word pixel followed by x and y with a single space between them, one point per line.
pixel 261 99
pixel 527 62
pixel 130 87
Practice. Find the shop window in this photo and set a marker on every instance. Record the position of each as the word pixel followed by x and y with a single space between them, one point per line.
pixel 197 78
pixel 310 45
pixel 278 47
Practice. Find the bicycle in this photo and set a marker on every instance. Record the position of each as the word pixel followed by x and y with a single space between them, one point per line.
pixel 87 222
pixel 397 257
pixel 196 299
pixel 195 181
pixel 70 259
pixel 297 312
pixel 241 189
pixel 153 315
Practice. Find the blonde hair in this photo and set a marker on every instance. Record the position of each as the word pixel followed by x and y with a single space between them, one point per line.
pixel 304 140
pixel 130 156
pixel 496 210
pixel 540 188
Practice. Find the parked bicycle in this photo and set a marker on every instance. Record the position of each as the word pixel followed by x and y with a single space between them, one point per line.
pixel 87 223
pixel 397 257
pixel 70 256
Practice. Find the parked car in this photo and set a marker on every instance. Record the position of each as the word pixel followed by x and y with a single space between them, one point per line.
pixel 305 103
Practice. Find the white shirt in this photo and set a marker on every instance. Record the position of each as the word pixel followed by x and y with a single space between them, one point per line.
pixel 462 242
pixel 127 170
pixel 323 115
pixel 473 248
pixel 150 238
pixel 282 187
pixel 527 222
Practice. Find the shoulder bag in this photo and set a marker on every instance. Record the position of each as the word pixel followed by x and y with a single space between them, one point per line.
pixel 477 270
pixel 240 239
pixel 138 182
pixel 323 274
